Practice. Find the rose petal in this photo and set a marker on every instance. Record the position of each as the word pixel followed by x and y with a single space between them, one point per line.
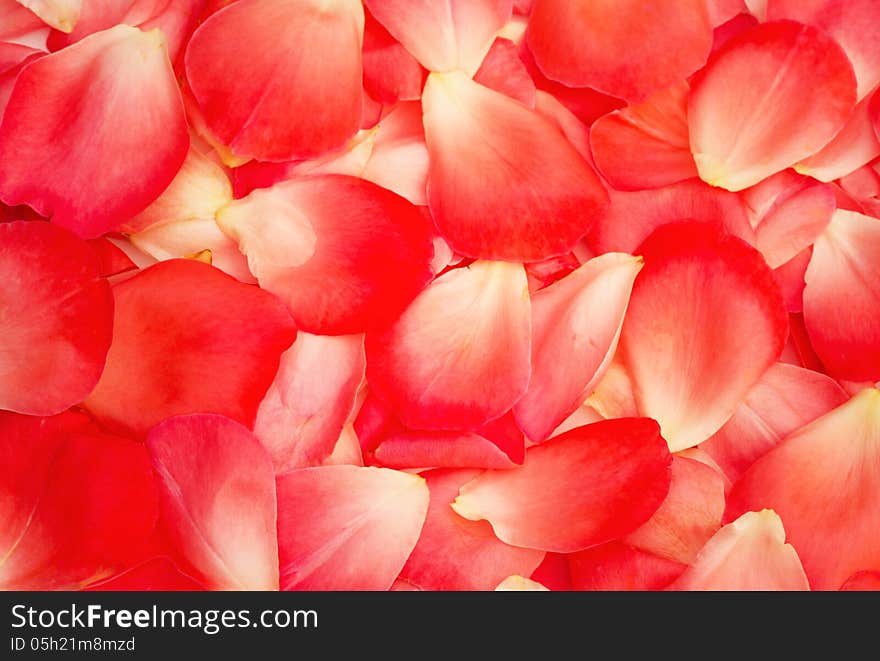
pixel 78 504
pixel 632 216
pixel 188 338
pixel 491 193
pixel 218 501
pixel 784 400
pixel 645 145
pixel 788 212
pixel 120 148
pixel 344 254
pixel 575 326
pixel 347 527
pixel 767 99
pixel 748 554
pixel 854 24
pixel 842 297
pixel 688 517
pixel 623 47
pixel 456 554
pixel 834 459
pixel 444 34
pixel 302 415
pixel 280 61
pixel 588 486
pixel 617 566
pixel 459 354
pixel 58 318
pixel 705 321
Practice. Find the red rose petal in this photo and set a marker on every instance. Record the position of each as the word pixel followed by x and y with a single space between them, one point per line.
pixel 502 70
pixel 645 145
pixel 632 216
pixel 491 193
pixel 618 566
pixel 842 297
pixel 218 501
pixel 588 486
pixel 788 212
pixel 833 461
pixel 59 318
pixel 120 149
pixel 188 339
pixel 281 61
pixel 705 321
pixel 855 24
pixel 344 254
pixel 458 356
pixel 456 554
pixel 391 74
pixel 78 504
pixel 767 99
pixel 625 48
pixel 347 527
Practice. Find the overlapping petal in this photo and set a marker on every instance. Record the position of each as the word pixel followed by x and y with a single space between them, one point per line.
pixel 57 318
pixel 842 297
pixel 491 193
pixel 836 458
pixel 281 61
pixel 705 321
pixel 121 147
pixel 769 98
pixel 78 504
pixel 591 485
pixel 188 338
pixel 347 527
pixel 623 48
pixel 459 355
pixel 344 254
pixel 218 501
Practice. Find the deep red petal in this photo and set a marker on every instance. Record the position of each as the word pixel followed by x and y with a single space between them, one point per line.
pixel 78 504
pixel 344 254
pixel 58 317
pixel 618 566
pixel 188 338
pixel 588 486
